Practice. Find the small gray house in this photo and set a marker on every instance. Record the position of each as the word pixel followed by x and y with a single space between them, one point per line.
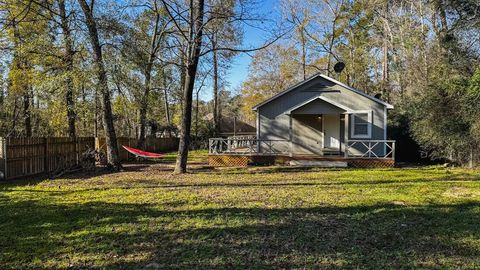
pixel 320 118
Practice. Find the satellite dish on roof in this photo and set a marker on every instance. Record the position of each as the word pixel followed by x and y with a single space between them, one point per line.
pixel 339 67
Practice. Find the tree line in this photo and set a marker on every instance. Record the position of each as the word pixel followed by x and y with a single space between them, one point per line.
pixel 118 67
pixel 420 55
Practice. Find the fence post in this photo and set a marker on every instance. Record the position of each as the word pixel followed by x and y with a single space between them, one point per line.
pixel 393 150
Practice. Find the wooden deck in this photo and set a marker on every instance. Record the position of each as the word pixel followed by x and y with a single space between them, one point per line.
pixel 226 160
pixel 241 152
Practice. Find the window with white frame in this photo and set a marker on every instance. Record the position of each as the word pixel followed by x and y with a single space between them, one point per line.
pixel 361 124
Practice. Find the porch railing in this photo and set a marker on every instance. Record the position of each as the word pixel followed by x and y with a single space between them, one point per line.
pixel 384 149
pixel 247 146
pixel 370 149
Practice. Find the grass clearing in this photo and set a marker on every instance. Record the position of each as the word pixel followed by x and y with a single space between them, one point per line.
pixel 193 156
pixel 266 217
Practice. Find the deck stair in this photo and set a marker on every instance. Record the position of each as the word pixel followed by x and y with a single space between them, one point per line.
pixel 330 151
pixel 319 163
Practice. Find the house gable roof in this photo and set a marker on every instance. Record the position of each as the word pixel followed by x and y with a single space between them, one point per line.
pixel 336 104
pixel 318 75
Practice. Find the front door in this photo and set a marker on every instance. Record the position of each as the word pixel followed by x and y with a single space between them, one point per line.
pixel 331 131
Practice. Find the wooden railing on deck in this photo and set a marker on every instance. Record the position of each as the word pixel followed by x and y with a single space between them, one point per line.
pixel 370 149
pixel 246 146
pixel 381 149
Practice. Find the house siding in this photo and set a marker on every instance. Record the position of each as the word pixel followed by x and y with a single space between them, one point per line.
pixel 274 123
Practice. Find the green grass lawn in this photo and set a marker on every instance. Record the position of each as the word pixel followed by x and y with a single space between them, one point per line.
pixel 193 156
pixel 244 218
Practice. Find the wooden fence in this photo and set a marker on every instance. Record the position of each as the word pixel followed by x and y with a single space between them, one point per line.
pixel 156 145
pixel 21 157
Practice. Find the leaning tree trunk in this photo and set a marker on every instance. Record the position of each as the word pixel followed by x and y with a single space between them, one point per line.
pixel 67 41
pixel 102 86
pixel 167 109
pixel 193 52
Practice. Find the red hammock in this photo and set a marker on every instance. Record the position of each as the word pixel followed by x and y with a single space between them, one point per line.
pixel 140 153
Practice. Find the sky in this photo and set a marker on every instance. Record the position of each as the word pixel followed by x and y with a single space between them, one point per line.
pixel 252 38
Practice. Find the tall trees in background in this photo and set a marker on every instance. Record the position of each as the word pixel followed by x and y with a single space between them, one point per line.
pixel 134 64
pixel 26 35
pixel 221 34
pixel 102 85
pixel 193 39
pixel 80 60
pixel 444 116
pixel 202 18
pixel 68 65
pixel 157 26
pixel 416 54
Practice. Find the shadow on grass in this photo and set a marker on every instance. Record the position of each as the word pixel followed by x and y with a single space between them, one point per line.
pixel 132 236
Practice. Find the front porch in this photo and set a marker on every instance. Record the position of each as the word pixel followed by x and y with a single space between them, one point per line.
pixel 244 151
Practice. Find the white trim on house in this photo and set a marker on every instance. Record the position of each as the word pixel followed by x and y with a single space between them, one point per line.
pixel 385 120
pixel 369 126
pixel 258 130
pixel 334 103
pixel 388 106
pixel 323 132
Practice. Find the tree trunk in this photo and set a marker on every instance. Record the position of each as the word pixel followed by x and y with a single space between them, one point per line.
pixel 68 58
pixel 143 111
pixel 216 115
pixel 385 71
pixel 96 120
pixel 183 74
pixel 167 109
pixel 196 116
pixel 2 97
pixel 194 47
pixel 113 160
pixel 443 17
pixel 304 51
pixel 148 76
pixel 330 46
pixel 21 65
pixel 14 119
pixel 84 101
pixel 27 115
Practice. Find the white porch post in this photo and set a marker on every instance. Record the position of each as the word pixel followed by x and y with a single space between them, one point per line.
pixel 345 134
pixel 384 131
pixel 258 131
pixel 290 134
